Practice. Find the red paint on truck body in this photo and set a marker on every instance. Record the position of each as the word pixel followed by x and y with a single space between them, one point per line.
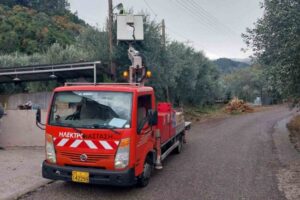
pixel 100 145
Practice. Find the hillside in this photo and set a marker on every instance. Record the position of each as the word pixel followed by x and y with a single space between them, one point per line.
pixel 30 29
pixel 244 60
pixel 226 65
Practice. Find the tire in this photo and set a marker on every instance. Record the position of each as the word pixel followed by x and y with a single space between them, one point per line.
pixel 178 149
pixel 144 178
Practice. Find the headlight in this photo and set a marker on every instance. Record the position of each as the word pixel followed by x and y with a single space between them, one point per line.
pixel 50 151
pixel 122 155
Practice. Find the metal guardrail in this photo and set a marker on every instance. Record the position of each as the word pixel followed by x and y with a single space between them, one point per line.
pixel 47 68
pixel 34 70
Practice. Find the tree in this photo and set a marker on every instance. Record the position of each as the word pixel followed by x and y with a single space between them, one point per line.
pixel 249 83
pixel 28 31
pixel 51 7
pixel 276 43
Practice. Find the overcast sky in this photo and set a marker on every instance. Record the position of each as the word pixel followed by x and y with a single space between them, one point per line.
pixel 213 26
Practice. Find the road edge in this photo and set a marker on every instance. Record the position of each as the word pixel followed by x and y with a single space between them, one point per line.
pixel 25 191
pixel 288 176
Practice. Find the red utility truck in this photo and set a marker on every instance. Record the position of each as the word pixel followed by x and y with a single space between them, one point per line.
pixel 110 134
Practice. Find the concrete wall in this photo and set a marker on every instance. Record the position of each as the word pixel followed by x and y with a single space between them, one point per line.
pixel 11 102
pixel 17 128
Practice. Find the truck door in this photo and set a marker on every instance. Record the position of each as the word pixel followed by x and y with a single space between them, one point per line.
pixel 144 133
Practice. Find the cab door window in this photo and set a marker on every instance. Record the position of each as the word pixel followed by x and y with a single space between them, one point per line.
pixel 144 105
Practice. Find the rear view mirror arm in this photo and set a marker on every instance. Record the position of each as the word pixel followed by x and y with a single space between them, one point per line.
pixel 40 126
pixel 38 120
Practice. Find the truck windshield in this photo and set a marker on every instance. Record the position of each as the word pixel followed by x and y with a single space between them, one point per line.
pixel 99 109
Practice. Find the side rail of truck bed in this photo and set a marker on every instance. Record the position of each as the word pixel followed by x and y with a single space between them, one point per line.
pixel 179 129
pixel 176 142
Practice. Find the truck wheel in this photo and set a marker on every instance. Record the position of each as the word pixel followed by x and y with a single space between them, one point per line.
pixel 143 179
pixel 179 148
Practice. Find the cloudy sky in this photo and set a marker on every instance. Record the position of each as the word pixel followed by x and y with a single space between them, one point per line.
pixel 213 26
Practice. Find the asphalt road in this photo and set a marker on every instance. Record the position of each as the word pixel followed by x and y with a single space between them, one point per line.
pixel 232 158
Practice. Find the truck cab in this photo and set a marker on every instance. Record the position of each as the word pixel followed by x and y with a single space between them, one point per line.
pixel 103 134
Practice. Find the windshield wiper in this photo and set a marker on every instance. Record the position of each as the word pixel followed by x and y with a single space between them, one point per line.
pixel 68 125
pixel 112 128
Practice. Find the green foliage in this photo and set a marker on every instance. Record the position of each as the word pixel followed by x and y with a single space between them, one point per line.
pixel 55 54
pixel 28 31
pixel 94 42
pixel 276 42
pixel 50 7
pixel 225 65
pixel 190 76
pixel 249 83
pixel 245 84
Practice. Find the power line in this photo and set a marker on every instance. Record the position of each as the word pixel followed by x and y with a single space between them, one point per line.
pixel 177 33
pixel 147 4
pixel 188 40
pixel 210 16
pixel 199 15
pixel 195 16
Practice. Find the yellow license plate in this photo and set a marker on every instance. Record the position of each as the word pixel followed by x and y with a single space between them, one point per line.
pixel 80 177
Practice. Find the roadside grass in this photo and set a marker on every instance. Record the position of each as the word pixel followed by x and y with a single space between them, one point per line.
pixel 294 128
pixel 203 113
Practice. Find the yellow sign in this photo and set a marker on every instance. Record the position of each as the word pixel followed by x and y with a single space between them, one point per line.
pixel 80 177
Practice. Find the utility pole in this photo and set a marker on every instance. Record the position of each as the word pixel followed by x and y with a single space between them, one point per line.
pixel 163 34
pixel 163 43
pixel 110 38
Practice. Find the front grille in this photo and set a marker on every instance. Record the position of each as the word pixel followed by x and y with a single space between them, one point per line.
pixel 91 158
pixel 89 167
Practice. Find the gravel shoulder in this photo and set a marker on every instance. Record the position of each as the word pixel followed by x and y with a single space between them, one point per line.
pixel 289 174
pixel 20 171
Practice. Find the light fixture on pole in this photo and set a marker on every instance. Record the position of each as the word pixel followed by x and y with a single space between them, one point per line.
pixel 53 76
pixel 16 78
pixel 119 7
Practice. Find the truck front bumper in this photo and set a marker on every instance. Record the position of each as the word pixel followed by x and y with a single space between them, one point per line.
pixel 96 176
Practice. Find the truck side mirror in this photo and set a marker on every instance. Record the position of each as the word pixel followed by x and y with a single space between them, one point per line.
pixel 38 119
pixel 153 118
pixel 38 116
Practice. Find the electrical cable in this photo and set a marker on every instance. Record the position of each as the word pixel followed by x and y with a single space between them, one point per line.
pixel 196 17
pixel 210 17
pixel 207 25
pixel 147 4
pixel 199 15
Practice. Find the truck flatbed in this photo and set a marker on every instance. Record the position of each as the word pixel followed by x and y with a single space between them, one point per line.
pixel 179 129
